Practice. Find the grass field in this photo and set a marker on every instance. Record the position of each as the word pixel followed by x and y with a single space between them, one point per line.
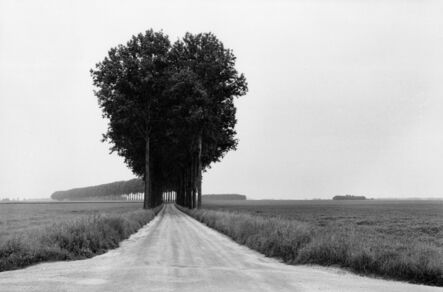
pixel 393 239
pixel 417 220
pixel 16 218
pixel 33 233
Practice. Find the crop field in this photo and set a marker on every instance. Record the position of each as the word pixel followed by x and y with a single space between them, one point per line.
pixel 416 220
pixel 18 218
pixel 396 239
pixel 38 232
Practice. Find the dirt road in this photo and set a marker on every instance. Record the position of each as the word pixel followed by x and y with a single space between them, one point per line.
pixel 176 253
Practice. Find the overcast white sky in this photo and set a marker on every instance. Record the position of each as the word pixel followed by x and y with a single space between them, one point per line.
pixel 345 96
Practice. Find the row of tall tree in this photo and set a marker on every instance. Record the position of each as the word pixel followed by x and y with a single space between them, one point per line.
pixel 170 108
pixel 117 188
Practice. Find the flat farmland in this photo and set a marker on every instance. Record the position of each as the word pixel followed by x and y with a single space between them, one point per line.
pixel 19 218
pixel 399 220
pixel 396 239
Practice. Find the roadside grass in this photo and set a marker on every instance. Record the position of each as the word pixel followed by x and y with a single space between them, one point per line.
pixel 25 217
pixel 363 251
pixel 79 238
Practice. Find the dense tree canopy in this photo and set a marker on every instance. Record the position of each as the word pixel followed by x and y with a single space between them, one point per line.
pixel 170 108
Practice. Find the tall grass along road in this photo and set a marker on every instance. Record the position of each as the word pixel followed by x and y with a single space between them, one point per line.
pixel 79 237
pixel 363 250
pixel 174 252
pixel 401 240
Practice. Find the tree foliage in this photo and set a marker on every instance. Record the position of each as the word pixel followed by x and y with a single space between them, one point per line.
pixel 170 109
pixel 117 188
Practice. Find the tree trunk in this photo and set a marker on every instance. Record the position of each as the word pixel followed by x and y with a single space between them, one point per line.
pixel 189 187
pixel 182 189
pixel 186 188
pixel 147 203
pixel 194 181
pixel 199 172
pixel 194 185
pixel 178 199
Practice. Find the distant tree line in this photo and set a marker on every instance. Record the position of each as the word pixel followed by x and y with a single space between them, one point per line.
pixel 120 189
pixel 224 197
pixel 170 109
pixel 349 197
pixel 103 191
